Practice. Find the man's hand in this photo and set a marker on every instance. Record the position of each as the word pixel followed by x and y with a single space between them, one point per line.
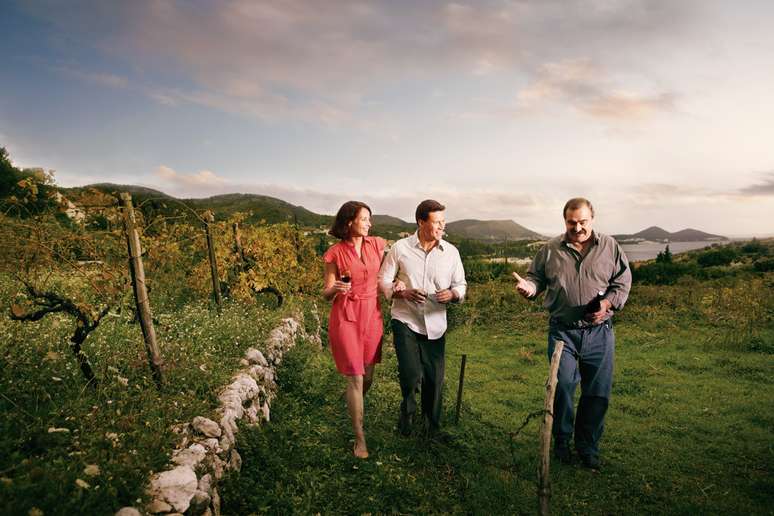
pixel 525 288
pixel 601 315
pixel 412 294
pixel 445 296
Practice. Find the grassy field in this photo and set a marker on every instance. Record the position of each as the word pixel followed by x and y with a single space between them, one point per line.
pixel 66 448
pixel 690 428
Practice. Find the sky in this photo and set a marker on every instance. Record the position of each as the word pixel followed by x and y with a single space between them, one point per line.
pixel 659 112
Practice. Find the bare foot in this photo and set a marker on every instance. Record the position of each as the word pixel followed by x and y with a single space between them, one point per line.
pixel 360 450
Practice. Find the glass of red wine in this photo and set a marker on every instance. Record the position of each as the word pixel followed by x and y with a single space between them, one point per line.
pixel 346 276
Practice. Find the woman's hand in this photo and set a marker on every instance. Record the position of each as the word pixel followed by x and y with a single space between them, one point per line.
pixel 341 287
pixel 398 286
pixel 333 286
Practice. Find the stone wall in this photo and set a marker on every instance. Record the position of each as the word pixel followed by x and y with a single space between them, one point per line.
pixel 207 448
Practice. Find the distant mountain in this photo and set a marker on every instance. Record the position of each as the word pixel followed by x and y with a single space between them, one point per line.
pixel 272 210
pixel 694 235
pixel 389 220
pixel 258 207
pixel 657 234
pixel 138 192
pixel 261 207
pixel 491 230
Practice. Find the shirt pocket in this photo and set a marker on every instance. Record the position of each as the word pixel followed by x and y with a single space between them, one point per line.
pixel 558 272
pixel 601 272
pixel 441 277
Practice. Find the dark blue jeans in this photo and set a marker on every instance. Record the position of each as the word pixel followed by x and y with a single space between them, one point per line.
pixel 587 359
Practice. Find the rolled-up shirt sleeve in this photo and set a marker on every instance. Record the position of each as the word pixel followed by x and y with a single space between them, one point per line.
pixel 458 284
pixel 621 282
pixel 387 273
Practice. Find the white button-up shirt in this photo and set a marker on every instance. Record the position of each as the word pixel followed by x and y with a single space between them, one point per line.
pixel 439 269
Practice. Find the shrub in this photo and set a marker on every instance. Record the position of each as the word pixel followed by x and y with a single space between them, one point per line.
pixel 479 271
pixel 662 273
pixel 754 247
pixel 722 256
pixel 764 265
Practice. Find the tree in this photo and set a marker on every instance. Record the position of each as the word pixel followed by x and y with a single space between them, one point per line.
pixel 26 192
pixel 9 175
pixel 664 256
pixel 61 270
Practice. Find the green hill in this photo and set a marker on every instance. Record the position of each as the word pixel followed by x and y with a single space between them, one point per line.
pixel 491 230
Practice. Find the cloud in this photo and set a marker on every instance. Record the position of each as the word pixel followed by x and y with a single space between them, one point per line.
pixel 655 194
pixel 106 79
pixel 587 88
pixel 661 194
pixel 313 60
pixel 197 180
pixel 762 189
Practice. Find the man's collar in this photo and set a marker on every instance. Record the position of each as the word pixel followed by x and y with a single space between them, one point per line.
pixel 594 237
pixel 415 242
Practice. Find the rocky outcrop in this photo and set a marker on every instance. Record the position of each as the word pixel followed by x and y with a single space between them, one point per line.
pixel 207 449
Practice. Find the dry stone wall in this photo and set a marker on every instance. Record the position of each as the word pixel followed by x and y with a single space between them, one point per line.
pixel 207 447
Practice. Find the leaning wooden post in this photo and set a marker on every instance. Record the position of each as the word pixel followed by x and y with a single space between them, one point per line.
pixel 209 218
pixel 459 389
pixel 140 291
pixel 544 479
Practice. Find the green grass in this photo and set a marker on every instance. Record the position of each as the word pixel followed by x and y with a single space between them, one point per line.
pixel 123 429
pixel 690 428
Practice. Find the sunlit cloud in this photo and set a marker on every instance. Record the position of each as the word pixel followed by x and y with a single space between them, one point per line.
pixel 312 62
pixel 202 178
pixel 589 89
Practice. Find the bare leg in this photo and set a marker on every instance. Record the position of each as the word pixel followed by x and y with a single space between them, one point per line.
pixel 368 378
pixel 355 409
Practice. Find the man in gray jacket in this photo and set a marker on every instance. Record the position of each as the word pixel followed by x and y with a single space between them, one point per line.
pixel 586 278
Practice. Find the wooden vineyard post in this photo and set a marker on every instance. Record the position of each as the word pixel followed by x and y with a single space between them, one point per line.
pixel 238 243
pixel 544 479
pixel 209 218
pixel 140 291
pixel 459 390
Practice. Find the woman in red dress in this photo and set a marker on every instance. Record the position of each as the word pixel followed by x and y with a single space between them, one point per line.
pixel 355 326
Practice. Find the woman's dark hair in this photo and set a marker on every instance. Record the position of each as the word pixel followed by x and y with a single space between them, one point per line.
pixel 346 214
pixel 426 207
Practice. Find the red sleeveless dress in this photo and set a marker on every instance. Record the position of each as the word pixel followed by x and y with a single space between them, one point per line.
pixel 355 326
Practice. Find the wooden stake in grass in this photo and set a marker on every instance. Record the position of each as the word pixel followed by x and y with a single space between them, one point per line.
pixel 140 291
pixel 209 218
pixel 238 243
pixel 459 389
pixel 544 479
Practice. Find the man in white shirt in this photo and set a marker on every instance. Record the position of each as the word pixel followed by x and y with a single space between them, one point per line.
pixel 431 270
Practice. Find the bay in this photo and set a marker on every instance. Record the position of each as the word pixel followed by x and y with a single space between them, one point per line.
pixel 649 250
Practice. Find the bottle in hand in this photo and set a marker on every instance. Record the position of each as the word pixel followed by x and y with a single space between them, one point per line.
pixel 595 304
